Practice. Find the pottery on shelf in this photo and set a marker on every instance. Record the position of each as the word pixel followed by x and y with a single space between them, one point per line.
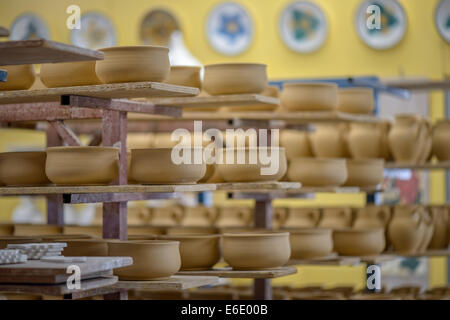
pixel 256 251
pixel 167 216
pixel 296 143
pixel 318 172
pixel 86 247
pixel 152 259
pixel 252 164
pixel 68 74
pixel 82 165
pixel 6 229
pixel 157 166
pixel 309 96
pixel 425 153
pixel 441 140
pixel 269 91
pixel 440 236
pixel 146 230
pixel 406 230
pixel 356 100
pixel 140 140
pixel 36 230
pixel 198 252
pixel 95 231
pixel 20 77
pixel 301 218
pixel 310 243
pixel 336 218
pixel 23 168
pixel 372 216
pixel 368 140
pixel 176 230
pixel 188 76
pixel 198 216
pixel 133 64
pixel 278 217
pixel 233 217
pixel 364 173
pixel 330 140
pixel 359 242
pixel 428 225
pixel 234 78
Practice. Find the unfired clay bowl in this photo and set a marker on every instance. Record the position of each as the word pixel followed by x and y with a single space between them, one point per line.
pixel 155 166
pixel 314 96
pixel 255 251
pixel 365 173
pixel 82 165
pixel 296 143
pixel 133 64
pixel 356 100
pixel 198 252
pixel 69 74
pixel 152 259
pixel 23 168
pixel 188 76
pixel 359 242
pixel 310 243
pixel 318 172
pixel 20 77
pixel 233 78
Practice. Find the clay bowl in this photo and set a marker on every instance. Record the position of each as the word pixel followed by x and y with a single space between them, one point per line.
pixel 4 241
pixel 94 231
pixel 356 100
pixel 20 77
pixel 359 242
pixel 188 76
pixel 152 259
pixel 318 172
pixel 314 96
pixel 155 166
pixel 296 143
pixel 23 168
pixel 269 91
pixel 68 74
pixel 256 251
pixel 82 165
pixel 191 230
pixel 133 64
pixel 253 168
pixel 198 252
pixel 310 243
pixel 86 247
pixel 36 230
pixel 365 173
pixel 234 78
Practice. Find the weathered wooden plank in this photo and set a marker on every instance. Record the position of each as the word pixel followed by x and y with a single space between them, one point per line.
pixel 65 133
pixel 250 274
pixel 217 101
pixel 176 282
pixel 116 197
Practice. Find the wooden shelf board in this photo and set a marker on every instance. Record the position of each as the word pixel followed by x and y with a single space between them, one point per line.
pixel 262 187
pixel 251 274
pixel 332 260
pixel 420 84
pixel 4 32
pixel 43 51
pixel 177 282
pixel 389 256
pixel 107 91
pixel 445 165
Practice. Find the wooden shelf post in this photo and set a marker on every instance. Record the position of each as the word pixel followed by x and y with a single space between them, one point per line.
pixel 55 206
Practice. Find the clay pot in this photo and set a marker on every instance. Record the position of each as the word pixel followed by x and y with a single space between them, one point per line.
pixel 255 251
pixel 406 229
pixel 82 165
pixel 309 96
pixel 427 144
pixel 198 216
pixel 152 259
pixel 407 138
pixel 68 74
pixel 310 243
pixel 6 229
pixel 188 76
pixel 356 100
pixel 4 241
pixel 318 172
pixel 198 252
pixel 138 215
pixel 440 233
pixel 167 216
pixel 301 218
pixel 336 218
pixel 296 143
pixel 174 231
pixel 233 78
pixel 372 217
pixel 359 242
pixel 441 140
pixel 95 231
pixel 428 223
pixel 36 230
pixel 133 64
pixel 20 77
pixel 23 168
pixel 215 177
pixel 364 173
pixel 249 164
pixel 233 217
pixel 86 247
pixel 269 91
pixel 330 140
pixel 368 140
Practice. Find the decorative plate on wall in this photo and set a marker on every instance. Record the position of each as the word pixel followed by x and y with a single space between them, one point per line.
pixel 96 32
pixel 229 28
pixel 442 19
pixel 28 26
pixel 381 26
pixel 157 26
pixel 303 26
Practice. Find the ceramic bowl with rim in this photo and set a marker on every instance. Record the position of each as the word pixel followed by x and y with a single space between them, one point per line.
pixel 133 64
pixel 364 173
pixel 188 76
pixel 318 172
pixel 198 251
pixel 256 250
pixel 356 100
pixel 152 259
pixel 313 96
pixel 23 168
pixel 157 166
pixel 82 165
pixel 310 243
pixel 234 78
pixel 20 77
pixel 359 242
pixel 68 74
